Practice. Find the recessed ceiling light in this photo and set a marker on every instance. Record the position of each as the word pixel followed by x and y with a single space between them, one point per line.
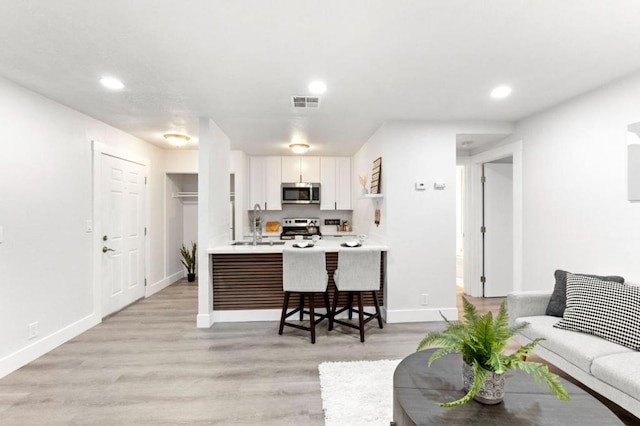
pixel 501 92
pixel 176 139
pixel 112 83
pixel 317 87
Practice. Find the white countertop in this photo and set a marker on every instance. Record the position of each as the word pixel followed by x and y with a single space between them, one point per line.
pixel 329 244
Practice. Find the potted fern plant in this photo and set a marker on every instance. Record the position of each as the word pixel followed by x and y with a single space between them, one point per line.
pixel 481 340
pixel 189 261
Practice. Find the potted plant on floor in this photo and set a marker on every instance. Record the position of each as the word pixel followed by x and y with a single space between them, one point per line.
pixel 189 261
pixel 481 341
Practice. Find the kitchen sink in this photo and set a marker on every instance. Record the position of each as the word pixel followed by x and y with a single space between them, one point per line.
pixel 259 243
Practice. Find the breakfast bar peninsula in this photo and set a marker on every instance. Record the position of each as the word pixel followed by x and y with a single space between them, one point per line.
pixel 247 278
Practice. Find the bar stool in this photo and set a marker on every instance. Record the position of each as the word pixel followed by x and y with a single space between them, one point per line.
pixel 304 271
pixel 358 271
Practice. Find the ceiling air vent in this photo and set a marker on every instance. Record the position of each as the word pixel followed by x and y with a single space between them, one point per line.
pixel 305 101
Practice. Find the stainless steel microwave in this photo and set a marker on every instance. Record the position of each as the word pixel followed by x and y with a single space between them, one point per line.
pixel 300 193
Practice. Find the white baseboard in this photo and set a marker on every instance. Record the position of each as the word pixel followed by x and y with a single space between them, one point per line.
pixel 22 357
pixel 164 283
pixel 247 315
pixel 205 320
pixel 419 315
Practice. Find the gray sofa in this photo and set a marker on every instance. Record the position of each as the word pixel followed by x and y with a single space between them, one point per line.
pixel 610 369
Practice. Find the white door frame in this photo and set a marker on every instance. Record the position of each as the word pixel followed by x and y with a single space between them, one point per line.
pixel 98 150
pixel 473 208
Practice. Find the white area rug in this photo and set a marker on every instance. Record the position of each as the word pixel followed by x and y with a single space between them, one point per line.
pixel 357 393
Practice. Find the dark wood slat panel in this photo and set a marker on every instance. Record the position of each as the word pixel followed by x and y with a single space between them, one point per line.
pixel 254 281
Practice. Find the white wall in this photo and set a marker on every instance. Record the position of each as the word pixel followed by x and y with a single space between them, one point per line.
pixel 418 226
pixel 576 213
pixel 45 201
pixel 214 218
pixel 181 161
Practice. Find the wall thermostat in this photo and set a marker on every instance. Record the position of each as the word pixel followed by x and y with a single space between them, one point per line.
pixel 420 186
pixel 439 185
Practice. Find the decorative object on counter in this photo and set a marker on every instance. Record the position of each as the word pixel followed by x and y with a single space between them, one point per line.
pixel 303 244
pixel 481 340
pixel 189 260
pixel 344 226
pixel 362 238
pixel 315 238
pixel 363 181
pixel 351 244
pixel 272 226
pixel 376 175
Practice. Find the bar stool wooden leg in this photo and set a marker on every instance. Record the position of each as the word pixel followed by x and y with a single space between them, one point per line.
pixel 285 306
pixel 327 306
pixel 350 305
pixel 312 317
pixel 361 316
pixel 333 308
pixel 375 302
pixel 301 306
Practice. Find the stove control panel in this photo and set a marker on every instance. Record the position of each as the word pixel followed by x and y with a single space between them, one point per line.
pixel 300 221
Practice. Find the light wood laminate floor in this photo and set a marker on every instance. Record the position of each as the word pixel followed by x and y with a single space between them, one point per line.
pixel 150 365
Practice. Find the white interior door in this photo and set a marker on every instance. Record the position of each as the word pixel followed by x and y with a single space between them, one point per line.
pixel 122 228
pixel 498 237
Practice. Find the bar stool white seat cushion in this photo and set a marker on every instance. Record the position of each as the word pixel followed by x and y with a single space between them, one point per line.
pixel 358 269
pixel 304 270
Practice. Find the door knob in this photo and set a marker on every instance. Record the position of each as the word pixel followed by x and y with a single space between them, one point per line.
pixel 106 249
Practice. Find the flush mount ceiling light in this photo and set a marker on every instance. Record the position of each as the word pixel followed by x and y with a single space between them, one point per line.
pixel 176 139
pixel 299 147
pixel 501 92
pixel 112 83
pixel 317 87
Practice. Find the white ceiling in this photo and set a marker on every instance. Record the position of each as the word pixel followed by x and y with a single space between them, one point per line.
pixel 239 62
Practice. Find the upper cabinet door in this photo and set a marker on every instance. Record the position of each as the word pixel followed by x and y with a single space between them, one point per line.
pixel 343 183
pixel 328 183
pixel 273 179
pixel 300 169
pixel 264 182
pixel 335 183
pixel 310 169
pixel 256 182
pixel 290 169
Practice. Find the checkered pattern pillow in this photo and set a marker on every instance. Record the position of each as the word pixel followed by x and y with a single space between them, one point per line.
pixel 606 309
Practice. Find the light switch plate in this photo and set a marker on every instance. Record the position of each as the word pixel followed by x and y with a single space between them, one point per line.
pixel 420 186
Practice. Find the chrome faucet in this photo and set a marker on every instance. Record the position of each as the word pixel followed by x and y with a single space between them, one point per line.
pixel 256 209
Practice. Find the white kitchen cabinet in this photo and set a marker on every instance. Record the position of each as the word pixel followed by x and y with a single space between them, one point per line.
pixel 300 169
pixel 264 182
pixel 335 183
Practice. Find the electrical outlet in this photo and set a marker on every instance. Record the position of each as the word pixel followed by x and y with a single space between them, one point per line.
pixel 32 330
pixel 425 299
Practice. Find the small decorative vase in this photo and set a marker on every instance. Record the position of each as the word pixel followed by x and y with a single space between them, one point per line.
pixel 191 277
pixel 492 390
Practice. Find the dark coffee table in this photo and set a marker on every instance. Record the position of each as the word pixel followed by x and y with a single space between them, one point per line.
pixel 417 390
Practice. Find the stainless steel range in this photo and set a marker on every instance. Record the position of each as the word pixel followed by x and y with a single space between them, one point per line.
pixel 307 227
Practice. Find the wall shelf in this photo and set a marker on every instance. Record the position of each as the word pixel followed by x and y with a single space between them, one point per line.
pixel 373 196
